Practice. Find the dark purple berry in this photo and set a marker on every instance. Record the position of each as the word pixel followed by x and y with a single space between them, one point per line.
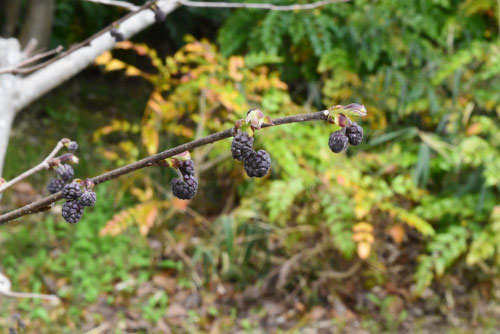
pixel 72 190
pixel 88 198
pixel 184 189
pixel 337 141
pixel 55 185
pixel 186 167
pixel 66 172
pixel 354 134
pixel 257 164
pixel 241 148
pixel 72 211
pixel 73 146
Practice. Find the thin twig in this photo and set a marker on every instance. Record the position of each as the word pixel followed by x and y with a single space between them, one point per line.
pixel 45 164
pixel 338 275
pixel 184 257
pixel 155 159
pixel 199 130
pixel 209 164
pixel 288 266
pixel 5 290
pixel 82 44
pixel 99 329
pixel 30 47
pixel 268 6
pixel 136 9
pixel 29 295
pixel 123 4
pixel 16 67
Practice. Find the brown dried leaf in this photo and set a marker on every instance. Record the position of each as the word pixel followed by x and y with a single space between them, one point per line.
pixel 397 233
pixel 166 282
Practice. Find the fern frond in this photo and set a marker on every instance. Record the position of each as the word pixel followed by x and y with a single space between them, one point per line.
pixel 143 215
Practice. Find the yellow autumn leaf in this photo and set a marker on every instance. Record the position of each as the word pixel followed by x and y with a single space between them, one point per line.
pixel 364 249
pixel 114 65
pixel 104 58
pixel 235 63
pixel 150 139
pixel 133 71
pixel 409 218
pixel 362 227
pixel 148 220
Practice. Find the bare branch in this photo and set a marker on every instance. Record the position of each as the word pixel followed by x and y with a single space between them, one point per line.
pixel 135 9
pixel 155 159
pixel 45 164
pixel 123 4
pixel 86 42
pixel 30 47
pixel 268 6
pixel 15 69
pixel 5 290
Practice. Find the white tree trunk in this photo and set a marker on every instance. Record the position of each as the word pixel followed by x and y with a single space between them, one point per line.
pixel 16 93
pixel 6 119
pixel 44 80
pixel 10 53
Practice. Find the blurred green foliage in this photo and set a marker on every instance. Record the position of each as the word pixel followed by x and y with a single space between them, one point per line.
pixel 417 200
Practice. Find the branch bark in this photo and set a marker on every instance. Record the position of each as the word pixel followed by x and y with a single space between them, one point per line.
pixel 268 6
pixel 117 3
pixel 154 159
pixel 5 289
pixel 16 68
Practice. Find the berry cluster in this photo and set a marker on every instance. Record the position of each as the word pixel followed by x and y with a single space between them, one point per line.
pixel 256 164
pixel 55 185
pixel 73 146
pixel 352 134
pixel 186 187
pixel 65 173
pixel 79 195
pixel 241 147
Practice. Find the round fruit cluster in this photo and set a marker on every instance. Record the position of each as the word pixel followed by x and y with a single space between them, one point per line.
pixel 186 187
pixel 256 164
pixel 64 172
pixel 79 195
pixel 352 134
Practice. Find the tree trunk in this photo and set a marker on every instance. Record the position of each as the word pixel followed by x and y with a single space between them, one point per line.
pixel 38 23
pixel 10 53
pixel 44 80
pixel 16 93
pixel 6 119
pixel 12 8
